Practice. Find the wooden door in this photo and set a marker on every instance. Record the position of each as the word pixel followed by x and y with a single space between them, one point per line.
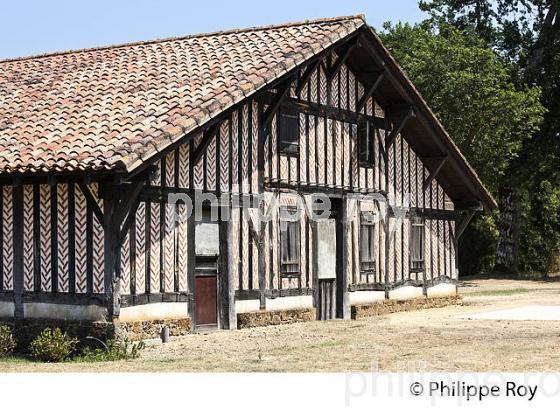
pixel 326 298
pixel 206 292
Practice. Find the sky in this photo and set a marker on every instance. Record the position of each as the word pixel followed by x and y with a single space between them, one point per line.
pixel 37 27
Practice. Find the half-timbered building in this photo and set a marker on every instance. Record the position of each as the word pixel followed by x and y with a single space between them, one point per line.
pixel 100 148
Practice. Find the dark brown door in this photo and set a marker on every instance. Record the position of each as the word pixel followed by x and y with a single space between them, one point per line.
pixel 206 303
pixel 206 291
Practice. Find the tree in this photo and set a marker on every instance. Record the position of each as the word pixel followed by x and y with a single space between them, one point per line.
pixel 469 88
pixel 527 33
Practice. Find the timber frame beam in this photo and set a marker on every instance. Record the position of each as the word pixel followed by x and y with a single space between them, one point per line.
pixel 92 202
pixel 207 137
pixel 407 114
pixel 463 223
pixel 362 102
pixel 434 172
pixel 281 93
pixel 343 56
pixel 306 76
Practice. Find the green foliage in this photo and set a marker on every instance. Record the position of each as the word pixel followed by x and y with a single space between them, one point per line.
pixel 526 33
pixel 125 350
pixel 471 89
pixel 477 249
pixel 7 341
pixel 540 234
pixel 468 87
pixel 52 346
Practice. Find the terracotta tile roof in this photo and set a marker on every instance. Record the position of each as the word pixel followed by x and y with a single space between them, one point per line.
pixel 112 107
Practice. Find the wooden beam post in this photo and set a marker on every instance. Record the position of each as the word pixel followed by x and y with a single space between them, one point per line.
pixel 111 252
pixel 17 204
pixel 345 262
pixel 92 202
pixel 433 173
pixel 362 102
pixel 463 223
pixel 191 261
pixel 409 113
pixel 342 58
pixel 207 137
pixel 282 92
pixel 304 78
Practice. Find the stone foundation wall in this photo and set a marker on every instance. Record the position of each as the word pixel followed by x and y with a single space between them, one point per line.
pixel 151 329
pixel 25 330
pixel 392 306
pixel 271 317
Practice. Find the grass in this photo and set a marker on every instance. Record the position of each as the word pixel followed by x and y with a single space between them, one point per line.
pixel 14 360
pixel 507 292
pixel 433 340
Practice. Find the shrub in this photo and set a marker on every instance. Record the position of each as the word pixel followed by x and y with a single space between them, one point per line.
pixel 124 350
pixel 7 341
pixel 52 346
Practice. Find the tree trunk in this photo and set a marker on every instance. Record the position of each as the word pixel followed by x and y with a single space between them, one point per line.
pixel 508 240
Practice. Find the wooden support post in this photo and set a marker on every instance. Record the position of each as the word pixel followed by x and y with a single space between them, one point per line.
pixel 362 102
pixel 409 113
pixel 304 79
pixel 17 203
pixel 111 252
pixel 266 118
pixel 434 172
pixel 274 106
pixel 191 260
pixel 207 137
pixel 342 59
pixel 92 202
pixel 224 271
pixel 386 229
pixel 463 223
pixel 345 303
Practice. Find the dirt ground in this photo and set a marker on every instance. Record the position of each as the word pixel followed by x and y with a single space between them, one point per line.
pixel 427 340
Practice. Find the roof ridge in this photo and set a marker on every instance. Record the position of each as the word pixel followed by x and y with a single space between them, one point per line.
pixel 326 20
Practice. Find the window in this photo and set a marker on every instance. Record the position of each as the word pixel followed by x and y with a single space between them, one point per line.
pixel 288 131
pixel 290 249
pixel 366 135
pixel 417 245
pixel 367 246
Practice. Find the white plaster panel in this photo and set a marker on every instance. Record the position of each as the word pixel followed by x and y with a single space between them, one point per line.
pixel 405 293
pixel 207 239
pixel 244 306
pixel 442 289
pixel 155 311
pixel 365 296
pixel 290 302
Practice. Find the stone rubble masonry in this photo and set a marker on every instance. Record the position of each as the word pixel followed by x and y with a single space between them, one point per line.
pixel 274 317
pixel 26 330
pixel 392 306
